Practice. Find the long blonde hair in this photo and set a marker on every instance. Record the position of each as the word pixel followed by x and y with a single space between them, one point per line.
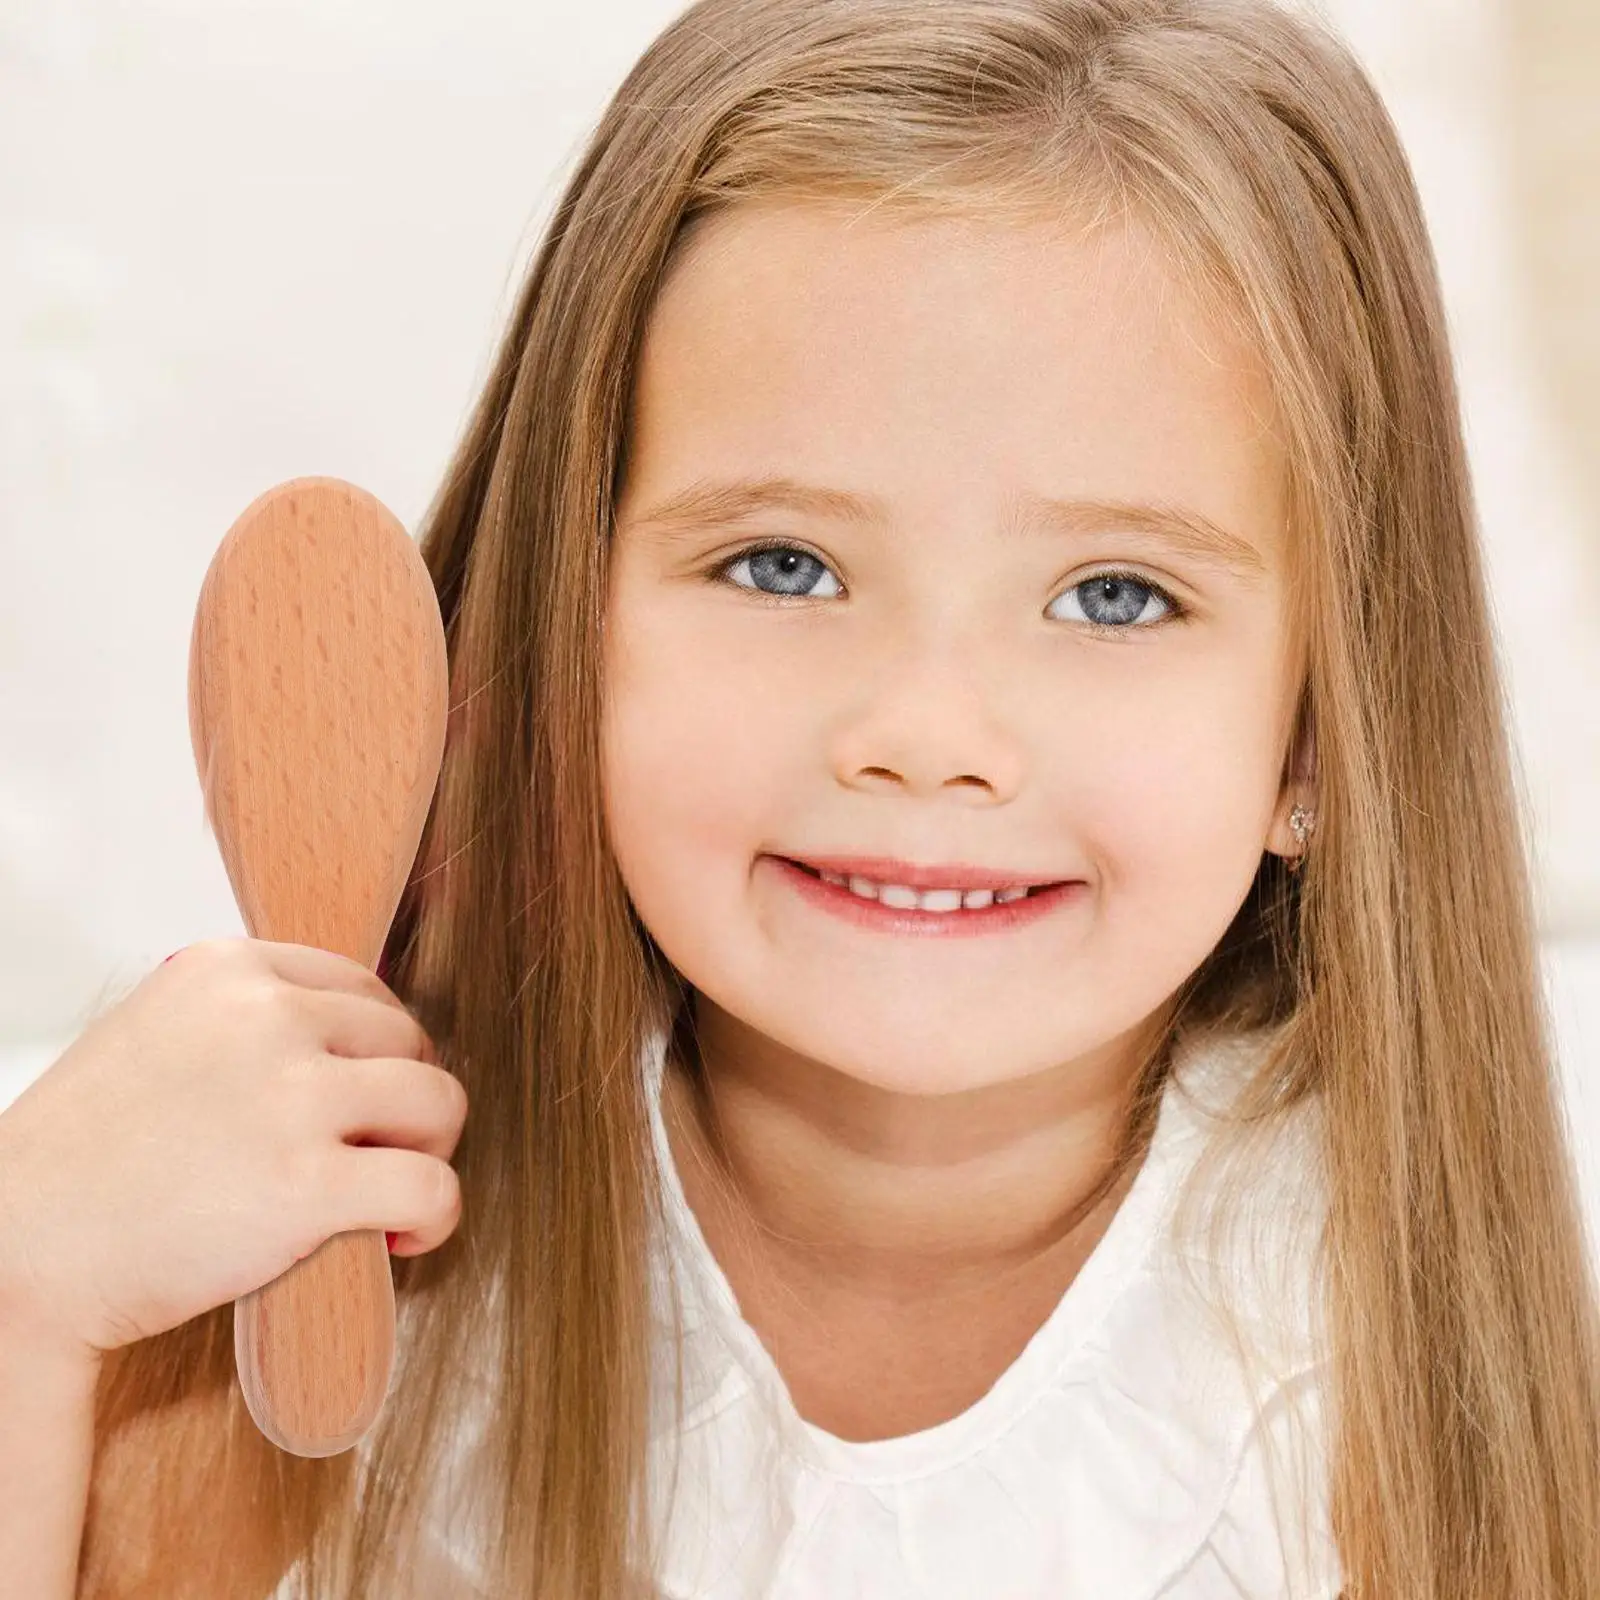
pixel 1397 975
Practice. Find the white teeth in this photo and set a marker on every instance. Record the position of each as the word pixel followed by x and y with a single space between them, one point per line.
pixel 904 899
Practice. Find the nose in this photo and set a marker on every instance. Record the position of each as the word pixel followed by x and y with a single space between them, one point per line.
pixel 930 725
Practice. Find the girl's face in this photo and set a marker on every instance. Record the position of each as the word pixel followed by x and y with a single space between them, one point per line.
pixel 919 674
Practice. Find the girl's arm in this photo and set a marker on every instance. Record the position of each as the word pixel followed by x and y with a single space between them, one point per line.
pixel 46 1448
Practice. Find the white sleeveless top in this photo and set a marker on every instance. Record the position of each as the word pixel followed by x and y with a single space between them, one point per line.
pixel 1122 1455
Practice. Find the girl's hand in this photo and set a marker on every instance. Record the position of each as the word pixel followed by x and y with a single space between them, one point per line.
pixel 207 1132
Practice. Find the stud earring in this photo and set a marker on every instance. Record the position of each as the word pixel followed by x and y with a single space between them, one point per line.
pixel 1301 823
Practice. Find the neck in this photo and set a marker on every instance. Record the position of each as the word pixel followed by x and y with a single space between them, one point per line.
pixel 889 1197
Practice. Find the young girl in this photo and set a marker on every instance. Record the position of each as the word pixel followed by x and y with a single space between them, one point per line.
pixel 977 891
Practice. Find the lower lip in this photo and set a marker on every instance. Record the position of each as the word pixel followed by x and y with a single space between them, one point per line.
pixel 996 917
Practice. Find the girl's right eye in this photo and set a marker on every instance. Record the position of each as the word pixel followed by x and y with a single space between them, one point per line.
pixel 785 565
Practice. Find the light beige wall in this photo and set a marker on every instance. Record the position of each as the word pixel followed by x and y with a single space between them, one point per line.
pixel 1479 90
pixel 1553 146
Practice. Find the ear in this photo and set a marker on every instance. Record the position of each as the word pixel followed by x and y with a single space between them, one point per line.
pixel 1299 789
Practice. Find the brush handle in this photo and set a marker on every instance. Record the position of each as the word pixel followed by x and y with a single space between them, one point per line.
pixel 314 1348
pixel 317 1344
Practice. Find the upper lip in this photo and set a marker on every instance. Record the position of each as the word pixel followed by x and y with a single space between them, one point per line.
pixel 912 875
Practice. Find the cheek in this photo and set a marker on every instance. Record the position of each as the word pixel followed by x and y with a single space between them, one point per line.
pixel 697 756
pixel 1176 819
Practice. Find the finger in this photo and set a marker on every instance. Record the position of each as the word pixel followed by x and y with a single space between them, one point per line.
pixel 395 1104
pixel 313 968
pixel 403 1192
pixel 353 1025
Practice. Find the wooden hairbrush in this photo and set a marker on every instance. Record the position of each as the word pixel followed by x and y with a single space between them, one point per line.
pixel 318 690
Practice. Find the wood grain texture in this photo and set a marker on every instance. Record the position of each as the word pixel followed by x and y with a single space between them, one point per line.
pixel 318 688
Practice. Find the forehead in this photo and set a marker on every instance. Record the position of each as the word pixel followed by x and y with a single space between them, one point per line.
pixel 948 364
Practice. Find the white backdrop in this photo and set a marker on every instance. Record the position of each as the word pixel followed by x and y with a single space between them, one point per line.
pixel 242 242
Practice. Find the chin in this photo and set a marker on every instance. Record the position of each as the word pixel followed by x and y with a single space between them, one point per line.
pixel 945 1064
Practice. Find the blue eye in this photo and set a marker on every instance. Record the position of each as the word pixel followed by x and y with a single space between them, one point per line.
pixel 783 564
pixel 1121 598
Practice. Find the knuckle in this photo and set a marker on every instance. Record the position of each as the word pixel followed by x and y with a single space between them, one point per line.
pixel 259 994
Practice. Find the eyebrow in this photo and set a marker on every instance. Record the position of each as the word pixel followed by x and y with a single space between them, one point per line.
pixel 711 503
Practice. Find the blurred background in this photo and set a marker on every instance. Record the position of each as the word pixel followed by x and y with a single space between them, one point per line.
pixel 244 241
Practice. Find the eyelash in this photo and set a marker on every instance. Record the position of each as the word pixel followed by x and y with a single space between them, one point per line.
pixel 1177 611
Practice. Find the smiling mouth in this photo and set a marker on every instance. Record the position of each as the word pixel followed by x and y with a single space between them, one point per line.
pixel 1032 889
